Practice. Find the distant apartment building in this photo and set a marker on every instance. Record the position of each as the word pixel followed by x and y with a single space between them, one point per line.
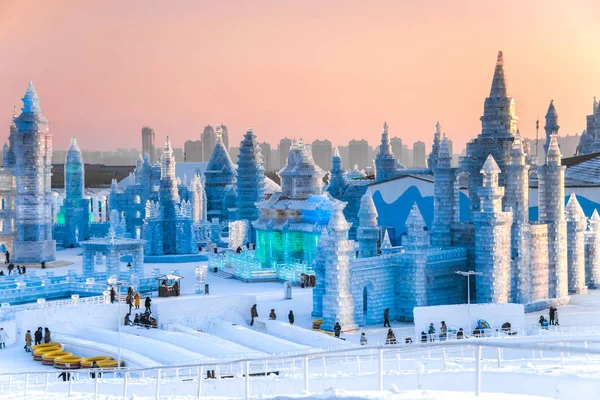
pixel 284 149
pixel 396 144
pixel 419 155
pixel 234 152
pixel 192 151
pixel 148 147
pixel 322 153
pixel 265 150
pixel 209 139
pixel 358 153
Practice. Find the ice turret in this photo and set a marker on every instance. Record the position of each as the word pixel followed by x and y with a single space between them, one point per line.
pixel 368 232
pixel 220 176
pixel 168 180
pixel 417 236
pixel 33 170
pixel 250 179
pixel 576 225
pixel 592 252
pixel 552 126
pixel 385 163
pixel 492 239
pixel 338 183
pixel 386 243
pixel 338 302
pixel 435 147
pixel 301 176
pixel 499 120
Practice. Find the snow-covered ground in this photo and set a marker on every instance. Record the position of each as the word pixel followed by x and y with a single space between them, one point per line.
pixel 213 328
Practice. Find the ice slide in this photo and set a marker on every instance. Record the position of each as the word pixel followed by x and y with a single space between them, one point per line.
pixel 158 350
pixel 299 335
pixel 130 357
pixel 251 338
pixel 202 343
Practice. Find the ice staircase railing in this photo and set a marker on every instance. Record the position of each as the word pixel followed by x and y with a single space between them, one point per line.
pixel 376 361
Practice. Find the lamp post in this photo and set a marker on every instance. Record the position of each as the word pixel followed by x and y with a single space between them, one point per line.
pixel 468 275
pixel 118 284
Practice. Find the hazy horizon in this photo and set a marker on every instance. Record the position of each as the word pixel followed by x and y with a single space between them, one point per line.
pixel 311 70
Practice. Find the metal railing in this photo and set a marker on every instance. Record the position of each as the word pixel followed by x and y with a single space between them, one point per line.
pixel 343 366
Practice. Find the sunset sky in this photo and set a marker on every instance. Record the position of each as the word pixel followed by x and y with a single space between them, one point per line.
pixel 302 69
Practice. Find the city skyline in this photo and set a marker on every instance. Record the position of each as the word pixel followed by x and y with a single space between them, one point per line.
pixel 165 67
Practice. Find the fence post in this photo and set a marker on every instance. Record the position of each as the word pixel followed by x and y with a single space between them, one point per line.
pixel 247 391
pixel 125 385
pixel 157 392
pixel 26 382
pixel 306 374
pixel 444 358
pixel 46 385
pixel 71 385
pixel 9 383
pixel 324 367
pixel 381 370
pixel 587 345
pixel 358 363
pixel 294 366
pixel 499 357
pixel 96 386
pixel 398 360
pixel 562 356
pixel 478 371
pixel 200 374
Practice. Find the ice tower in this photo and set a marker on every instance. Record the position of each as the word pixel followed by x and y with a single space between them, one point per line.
pixel 250 180
pixel 75 212
pixel 220 177
pixel 385 163
pixel 33 169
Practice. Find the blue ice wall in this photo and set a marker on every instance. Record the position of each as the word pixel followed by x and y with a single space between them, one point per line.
pixel 587 205
pixel 394 214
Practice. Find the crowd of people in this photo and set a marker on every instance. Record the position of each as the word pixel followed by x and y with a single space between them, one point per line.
pixel 21 270
pixel 40 336
pixel 272 315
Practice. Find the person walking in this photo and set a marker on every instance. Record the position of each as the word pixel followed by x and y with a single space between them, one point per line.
pixel 291 317
pixel 18 270
pixel 7 257
pixel 253 314
pixel 3 338
pixel 47 335
pixel 10 268
pixel 129 300
pixel 23 270
pixel 136 300
pixel 556 316
pixel 552 315
pixel 363 339
pixel 272 315
pixel 113 295
pixel 386 318
pixel 147 304
pixel 337 329
pixel 28 341
pixel 38 336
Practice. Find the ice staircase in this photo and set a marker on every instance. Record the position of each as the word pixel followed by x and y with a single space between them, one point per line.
pixel 222 274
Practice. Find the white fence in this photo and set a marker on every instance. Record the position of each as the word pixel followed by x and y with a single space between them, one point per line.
pixel 375 365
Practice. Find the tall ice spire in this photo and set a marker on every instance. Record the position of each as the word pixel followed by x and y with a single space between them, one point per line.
pixel 499 119
pixel 552 126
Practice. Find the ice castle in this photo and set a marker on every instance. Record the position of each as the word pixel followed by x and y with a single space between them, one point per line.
pixel 160 208
pixel 535 263
pixel 589 142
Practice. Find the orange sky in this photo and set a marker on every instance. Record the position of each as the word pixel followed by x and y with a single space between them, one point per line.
pixel 311 69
